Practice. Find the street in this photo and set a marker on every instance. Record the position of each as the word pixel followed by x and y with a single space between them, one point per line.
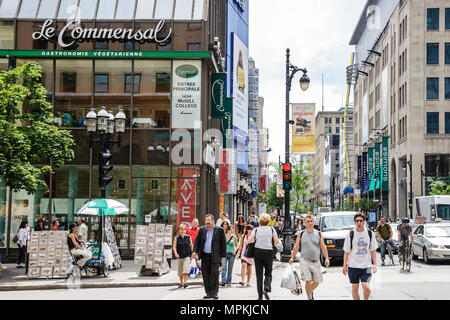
pixel 424 282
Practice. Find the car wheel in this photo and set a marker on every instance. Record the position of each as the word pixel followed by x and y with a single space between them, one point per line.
pixel 425 256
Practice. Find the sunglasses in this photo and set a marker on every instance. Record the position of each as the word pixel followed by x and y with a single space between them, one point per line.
pixel 359 221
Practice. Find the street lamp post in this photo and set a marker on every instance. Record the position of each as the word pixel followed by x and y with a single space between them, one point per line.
pixel 410 196
pixel 291 70
pixel 105 123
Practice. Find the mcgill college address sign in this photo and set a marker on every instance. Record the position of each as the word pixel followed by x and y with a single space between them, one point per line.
pixel 73 32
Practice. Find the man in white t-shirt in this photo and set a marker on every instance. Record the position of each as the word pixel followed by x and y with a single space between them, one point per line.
pixel 360 257
pixel 223 217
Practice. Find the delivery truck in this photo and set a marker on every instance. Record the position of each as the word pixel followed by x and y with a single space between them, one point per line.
pixel 430 208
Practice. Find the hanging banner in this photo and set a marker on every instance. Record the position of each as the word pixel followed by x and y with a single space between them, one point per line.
pixel 385 164
pixel 186 94
pixel 360 184
pixel 186 192
pixel 218 94
pixel 377 167
pixel 228 172
pixel 365 184
pixel 304 130
pixel 365 119
pixel 226 125
pixel 370 167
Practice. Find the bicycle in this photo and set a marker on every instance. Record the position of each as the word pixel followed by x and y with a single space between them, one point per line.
pixel 406 255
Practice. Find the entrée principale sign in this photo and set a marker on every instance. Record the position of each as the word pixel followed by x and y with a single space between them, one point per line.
pixel 78 33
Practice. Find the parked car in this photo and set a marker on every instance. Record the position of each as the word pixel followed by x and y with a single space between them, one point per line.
pixel 432 242
pixel 334 227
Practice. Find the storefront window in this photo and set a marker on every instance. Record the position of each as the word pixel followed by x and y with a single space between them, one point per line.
pixel 152 103
pixel 47 9
pixel 106 9
pixel 145 9
pixel 151 147
pixel 8 8
pixel 87 9
pixel 125 9
pixel 67 9
pixel 73 92
pixel 6 35
pixel 71 192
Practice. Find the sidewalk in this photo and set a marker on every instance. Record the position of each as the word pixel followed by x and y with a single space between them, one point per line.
pixel 13 279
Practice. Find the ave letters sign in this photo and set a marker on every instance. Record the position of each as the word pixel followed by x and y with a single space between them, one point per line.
pixel 186 196
pixel 78 33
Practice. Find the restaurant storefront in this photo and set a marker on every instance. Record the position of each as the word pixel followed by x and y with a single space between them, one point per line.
pixel 117 54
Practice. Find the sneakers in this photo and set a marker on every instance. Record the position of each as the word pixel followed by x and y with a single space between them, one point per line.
pixel 382 263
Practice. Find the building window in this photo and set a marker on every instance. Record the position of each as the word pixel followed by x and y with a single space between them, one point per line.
pixel 447 88
pixel 433 122
pixel 433 19
pixel 101 82
pixel 69 81
pixel 338 130
pixel 447 53
pixel 432 53
pixel 338 120
pixel 193 47
pixel 432 88
pixel 162 82
pixel 447 18
pixel 137 83
pixel 130 46
pixel 447 123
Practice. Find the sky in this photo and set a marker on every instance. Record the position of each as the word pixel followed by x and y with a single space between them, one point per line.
pixel 318 33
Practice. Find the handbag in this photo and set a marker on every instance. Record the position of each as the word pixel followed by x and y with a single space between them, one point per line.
pixel 250 249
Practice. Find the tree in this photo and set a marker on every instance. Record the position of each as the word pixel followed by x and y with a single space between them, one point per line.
pixel 302 173
pixel 439 188
pixel 27 135
pixel 270 199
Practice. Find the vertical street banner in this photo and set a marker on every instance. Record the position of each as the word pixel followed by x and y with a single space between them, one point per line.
pixel 385 103
pixel 226 124
pixel 385 164
pixel 370 167
pixel 377 167
pixel 227 172
pixel 304 129
pixel 186 195
pixel 186 94
pixel 365 184
pixel 218 95
pixel 360 183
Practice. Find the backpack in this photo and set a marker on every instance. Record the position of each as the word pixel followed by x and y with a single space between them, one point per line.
pixel 352 234
pixel 300 241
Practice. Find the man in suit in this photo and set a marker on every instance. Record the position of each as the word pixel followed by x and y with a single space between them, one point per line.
pixel 210 247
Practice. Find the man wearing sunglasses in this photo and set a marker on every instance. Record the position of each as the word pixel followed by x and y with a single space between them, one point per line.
pixel 360 257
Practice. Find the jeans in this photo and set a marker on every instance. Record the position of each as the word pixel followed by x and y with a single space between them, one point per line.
pixel 383 248
pixel 227 268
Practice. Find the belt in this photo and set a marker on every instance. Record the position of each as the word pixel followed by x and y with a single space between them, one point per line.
pixel 312 261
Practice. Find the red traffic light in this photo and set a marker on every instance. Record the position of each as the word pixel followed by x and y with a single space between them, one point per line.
pixel 286 167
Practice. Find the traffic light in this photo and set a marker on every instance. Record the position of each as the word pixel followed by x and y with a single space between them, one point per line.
pixel 104 168
pixel 287 176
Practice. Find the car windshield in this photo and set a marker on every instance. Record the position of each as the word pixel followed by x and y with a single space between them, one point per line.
pixel 333 223
pixel 435 232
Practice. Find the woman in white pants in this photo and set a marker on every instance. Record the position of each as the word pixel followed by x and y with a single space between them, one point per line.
pixel 75 246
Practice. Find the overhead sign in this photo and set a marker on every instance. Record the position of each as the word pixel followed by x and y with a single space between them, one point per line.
pixel 73 32
pixel 228 172
pixel 365 120
pixel 304 130
pixel 186 94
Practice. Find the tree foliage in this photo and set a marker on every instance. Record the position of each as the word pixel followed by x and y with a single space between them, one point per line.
pixel 302 174
pixel 439 188
pixel 270 199
pixel 27 135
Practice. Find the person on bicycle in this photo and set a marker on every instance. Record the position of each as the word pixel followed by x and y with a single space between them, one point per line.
pixel 75 246
pixel 384 233
pixel 404 232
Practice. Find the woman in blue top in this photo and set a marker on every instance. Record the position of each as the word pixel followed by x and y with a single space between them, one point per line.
pixel 227 264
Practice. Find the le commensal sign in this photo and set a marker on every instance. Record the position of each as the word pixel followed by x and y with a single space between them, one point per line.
pixel 78 33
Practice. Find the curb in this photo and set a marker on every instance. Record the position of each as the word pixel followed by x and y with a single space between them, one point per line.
pixel 89 286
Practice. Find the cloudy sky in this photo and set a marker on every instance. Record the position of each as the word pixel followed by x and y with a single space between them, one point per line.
pixel 318 33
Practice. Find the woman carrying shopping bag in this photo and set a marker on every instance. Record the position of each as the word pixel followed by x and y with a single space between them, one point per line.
pixel 183 248
pixel 246 262
pixel 265 238
pixel 227 264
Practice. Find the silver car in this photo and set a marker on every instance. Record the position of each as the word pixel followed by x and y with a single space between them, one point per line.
pixel 432 241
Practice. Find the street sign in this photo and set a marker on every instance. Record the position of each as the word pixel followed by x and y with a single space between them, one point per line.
pixel 280 191
pixel 280 179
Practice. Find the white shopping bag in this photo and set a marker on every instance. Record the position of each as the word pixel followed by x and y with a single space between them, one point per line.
pixel 288 279
pixel 194 269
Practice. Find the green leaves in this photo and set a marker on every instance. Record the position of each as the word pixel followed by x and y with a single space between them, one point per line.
pixel 439 188
pixel 27 136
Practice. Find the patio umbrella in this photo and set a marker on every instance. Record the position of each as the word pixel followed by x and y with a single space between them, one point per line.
pixel 108 207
